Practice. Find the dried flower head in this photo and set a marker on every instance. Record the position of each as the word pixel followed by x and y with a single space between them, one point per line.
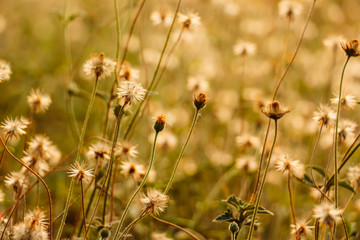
pixel 247 141
pixel 80 172
pixel 38 101
pixel 196 84
pixel 155 200
pixel 126 151
pixel 325 116
pixel 288 165
pixel 99 66
pixel 131 92
pixel 39 165
pixel 351 47
pixel 354 176
pixel 289 9
pixel 189 20
pixel 246 163
pixel 32 228
pixel 301 229
pixel 13 127
pixel 346 131
pixel 132 169
pixel 200 101
pixel 41 146
pixel 127 73
pixel 161 16
pixel 160 123
pixel 244 48
pixel 99 151
pixel 16 181
pixel 5 71
pixel 327 214
pixel 347 101
pixel 274 110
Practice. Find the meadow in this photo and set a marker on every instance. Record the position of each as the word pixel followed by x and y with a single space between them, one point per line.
pixel 177 119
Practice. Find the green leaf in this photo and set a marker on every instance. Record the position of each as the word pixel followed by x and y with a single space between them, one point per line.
pixel 308 180
pixel 234 201
pixel 319 170
pixel 346 184
pixel 226 216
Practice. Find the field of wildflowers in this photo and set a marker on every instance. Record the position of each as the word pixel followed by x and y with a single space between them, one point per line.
pixel 178 119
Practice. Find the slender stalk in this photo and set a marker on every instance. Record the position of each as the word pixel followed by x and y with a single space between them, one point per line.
pixel 82 203
pixel 336 178
pixel 40 179
pixel 77 159
pixel 296 50
pixel 10 215
pixel 28 130
pixel 262 185
pixel 132 122
pixel 181 152
pixel 138 189
pixel 108 173
pixel 3 152
pixel 142 215
pixel 175 226
pixel 291 199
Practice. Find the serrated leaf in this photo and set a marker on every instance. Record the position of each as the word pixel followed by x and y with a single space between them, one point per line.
pixel 226 216
pixel 234 201
pixel 319 170
pixel 346 184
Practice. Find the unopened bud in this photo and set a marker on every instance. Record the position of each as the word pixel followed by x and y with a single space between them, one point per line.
pixel 200 101
pixel 160 123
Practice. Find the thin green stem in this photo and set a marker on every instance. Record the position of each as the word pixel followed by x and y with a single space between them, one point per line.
pixel 181 152
pixel 138 189
pixel 291 199
pixel 262 185
pixel 62 223
pixel 82 203
pixel 336 178
pixel 142 215
pixel 132 122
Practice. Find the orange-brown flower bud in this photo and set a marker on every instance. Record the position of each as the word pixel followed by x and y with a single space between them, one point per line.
pixel 200 101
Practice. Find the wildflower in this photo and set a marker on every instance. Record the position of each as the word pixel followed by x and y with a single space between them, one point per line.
pixel 301 229
pixel 37 164
pixel 80 172
pixel 289 9
pixel 38 102
pixel 244 49
pixel 41 147
pixel 247 141
pixel 131 91
pixel 126 151
pixel 346 131
pixel 128 73
pixel 5 71
pixel 287 165
pixel 327 214
pixel 161 17
pixel 189 21
pixel 325 116
pixel 274 110
pixel 354 176
pixel 132 169
pixel 99 66
pixel 351 47
pixel 197 83
pixel 246 163
pixel 347 101
pixel 155 200
pixel 99 151
pixel 13 127
pixel 160 123
pixel 16 181
pixel 32 228
pixel 200 101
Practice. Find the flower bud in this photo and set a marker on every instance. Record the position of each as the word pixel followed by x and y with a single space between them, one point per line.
pixel 160 123
pixel 200 101
pixel 234 227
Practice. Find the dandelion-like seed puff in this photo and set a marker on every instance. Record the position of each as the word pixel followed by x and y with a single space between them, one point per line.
pixel 131 92
pixel 155 200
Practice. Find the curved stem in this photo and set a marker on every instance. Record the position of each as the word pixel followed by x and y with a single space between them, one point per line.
pixel 291 199
pixel 175 226
pixel 336 180
pixel 40 179
pixel 262 185
pixel 296 50
pixel 142 215
pixel 10 215
pixel 138 189
pixel 182 152
pixel 3 152
pixel 132 122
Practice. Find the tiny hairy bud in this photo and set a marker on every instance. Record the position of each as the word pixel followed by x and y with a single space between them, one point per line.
pixel 160 123
pixel 234 227
pixel 200 101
